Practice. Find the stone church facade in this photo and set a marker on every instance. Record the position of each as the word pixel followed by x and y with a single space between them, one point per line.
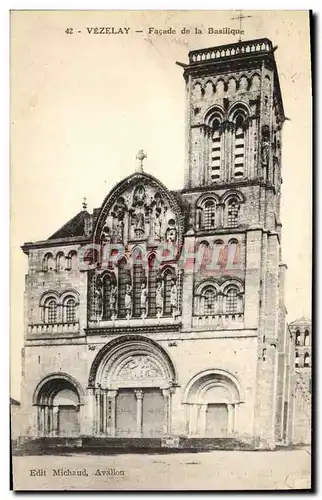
pixel 161 314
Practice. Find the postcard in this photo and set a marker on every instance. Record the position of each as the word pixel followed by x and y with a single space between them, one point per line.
pixel 161 173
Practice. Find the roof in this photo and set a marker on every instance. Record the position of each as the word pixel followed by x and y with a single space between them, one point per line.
pixel 301 320
pixel 74 227
pixel 14 402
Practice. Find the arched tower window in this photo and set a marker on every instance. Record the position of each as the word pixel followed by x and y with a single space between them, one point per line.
pixel 70 310
pixel 297 359
pixel 209 301
pixel 60 262
pixel 239 153
pixel 51 306
pixel 306 338
pixel 231 300
pixel 298 337
pixel 307 360
pixel 71 261
pixel 48 263
pixel 232 212
pixel 216 150
pixel 209 214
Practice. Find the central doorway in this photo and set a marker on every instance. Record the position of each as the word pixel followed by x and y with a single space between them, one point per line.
pixel 140 413
pixel 217 420
pixel 132 380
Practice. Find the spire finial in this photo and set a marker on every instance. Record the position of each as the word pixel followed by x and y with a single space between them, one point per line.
pixel 240 18
pixel 84 204
pixel 141 157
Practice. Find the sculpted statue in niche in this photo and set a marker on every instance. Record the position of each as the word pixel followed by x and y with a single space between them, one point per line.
pixel 159 297
pixel 265 146
pixel 98 299
pixel 171 233
pixel 119 232
pixel 106 235
pixel 139 196
pixel 118 215
pixel 119 209
pixel 157 204
pixel 157 228
pixel 174 295
pixel 139 226
pixel 113 301
pixel 128 300
pixel 144 299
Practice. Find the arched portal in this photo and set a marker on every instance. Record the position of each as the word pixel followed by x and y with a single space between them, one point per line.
pixel 212 400
pixel 58 398
pixel 132 379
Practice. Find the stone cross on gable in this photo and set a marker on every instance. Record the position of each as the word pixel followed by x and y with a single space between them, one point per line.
pixel 141 157
pixel 240 18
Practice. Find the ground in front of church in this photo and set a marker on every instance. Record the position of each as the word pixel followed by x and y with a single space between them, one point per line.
pixel 212 470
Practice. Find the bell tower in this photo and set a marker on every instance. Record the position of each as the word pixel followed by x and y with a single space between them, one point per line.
pixel 234 115
pixel 234 118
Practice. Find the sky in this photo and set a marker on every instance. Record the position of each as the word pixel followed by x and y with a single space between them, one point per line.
pixel 82 105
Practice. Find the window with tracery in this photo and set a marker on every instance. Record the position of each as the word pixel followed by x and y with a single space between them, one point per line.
pixel 106 282
pixel 124 278
pixel 70 310
pixel 209 299
pixel 168 277
pixel 232 213
pixel 231 301
pixel 51 311
pixel 209 214
pixel 138 279
pixel 152 280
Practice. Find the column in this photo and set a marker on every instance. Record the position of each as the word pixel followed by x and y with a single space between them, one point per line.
pixel 193 428
pixel 187 417
pixel 236 413
pixel 50 421
pixel 40 420
pixel 139 407
pixel 230 409
pixel 202 420
pixel 46 421
pixel 90 427
pixel 97 410
pixel 111 412
pixel 55 421
pixel 104 411
pixel 167 394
